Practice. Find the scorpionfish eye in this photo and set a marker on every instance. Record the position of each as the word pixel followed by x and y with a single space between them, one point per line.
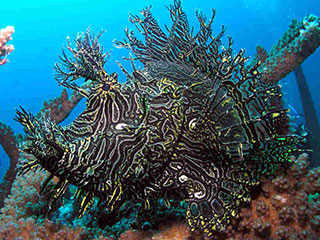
pixel 103 88
pixel 106 87
pixel 110 82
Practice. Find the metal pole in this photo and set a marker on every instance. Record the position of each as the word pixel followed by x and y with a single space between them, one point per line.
pixel 310 115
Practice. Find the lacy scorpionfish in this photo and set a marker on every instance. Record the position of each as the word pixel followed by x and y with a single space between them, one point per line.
pixel 194 124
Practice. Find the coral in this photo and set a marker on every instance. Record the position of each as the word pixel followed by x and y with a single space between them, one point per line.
pixel 9 143
pixel 32 229
pixel 21 216
pixel 5 49
pixel 176 230
pixel 135 235
pixel 298 43
pixel 59 108
pixel 313 180
pixel 18 206
pixel 261 228
pixel 286 207
pixel 23 196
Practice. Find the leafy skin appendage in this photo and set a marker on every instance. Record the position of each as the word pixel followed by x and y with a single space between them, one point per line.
pixel 194 124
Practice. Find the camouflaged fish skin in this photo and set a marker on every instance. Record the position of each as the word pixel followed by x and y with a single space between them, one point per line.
pixel 194 124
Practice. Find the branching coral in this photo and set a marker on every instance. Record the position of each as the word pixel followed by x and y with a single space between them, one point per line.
pixel 5 49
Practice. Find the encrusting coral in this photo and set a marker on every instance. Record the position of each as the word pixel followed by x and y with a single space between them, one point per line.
pixel 286 207
pixel 297 44
pixel 58 109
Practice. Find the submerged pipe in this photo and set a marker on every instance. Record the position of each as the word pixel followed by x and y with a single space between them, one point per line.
pixel 310 115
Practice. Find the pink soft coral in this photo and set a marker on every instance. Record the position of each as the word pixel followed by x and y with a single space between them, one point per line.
pixel 15 219
pixel 5 49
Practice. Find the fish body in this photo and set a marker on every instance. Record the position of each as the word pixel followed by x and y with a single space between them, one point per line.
pixel 194 124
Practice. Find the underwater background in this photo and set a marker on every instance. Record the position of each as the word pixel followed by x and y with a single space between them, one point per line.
pixel 41 29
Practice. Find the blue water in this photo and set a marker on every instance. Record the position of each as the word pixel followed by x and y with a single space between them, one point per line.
pixel 41 28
